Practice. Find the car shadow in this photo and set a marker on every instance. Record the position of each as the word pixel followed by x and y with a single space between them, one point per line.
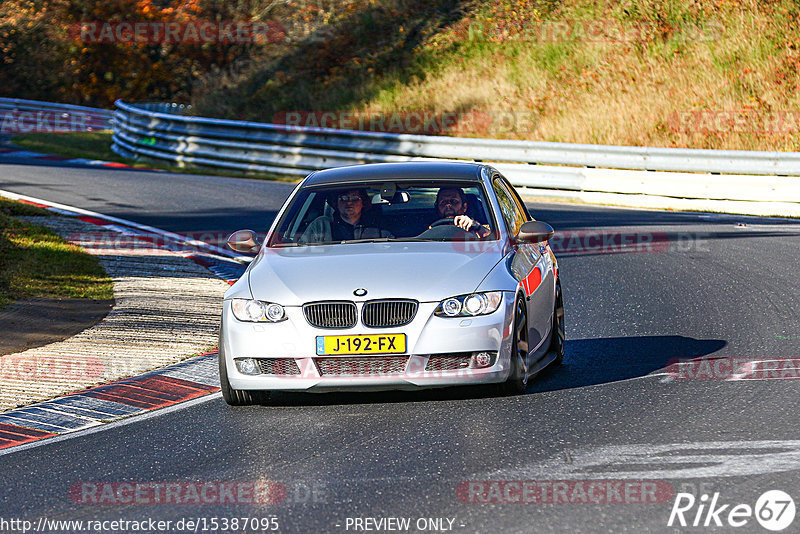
pixel 587 362
pixel 593 361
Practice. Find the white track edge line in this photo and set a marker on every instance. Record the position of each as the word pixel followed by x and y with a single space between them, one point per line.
pixel 113 424
pixel 175 237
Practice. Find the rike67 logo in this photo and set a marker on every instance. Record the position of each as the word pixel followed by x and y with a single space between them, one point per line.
pixel 774 510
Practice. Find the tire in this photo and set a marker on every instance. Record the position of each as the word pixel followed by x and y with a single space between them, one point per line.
pixel 557 342
pixel 518 378
pixel 238 397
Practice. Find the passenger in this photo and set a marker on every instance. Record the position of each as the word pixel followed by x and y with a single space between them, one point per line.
pixel 352 219
pixel 452 202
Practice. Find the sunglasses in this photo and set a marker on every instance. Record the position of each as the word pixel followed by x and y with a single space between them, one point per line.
pixel 355 198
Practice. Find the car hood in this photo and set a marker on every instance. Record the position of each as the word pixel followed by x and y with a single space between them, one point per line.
pixel 428 272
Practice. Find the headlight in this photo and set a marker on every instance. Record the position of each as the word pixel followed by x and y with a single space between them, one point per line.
pixel 256 311
pixel 470 305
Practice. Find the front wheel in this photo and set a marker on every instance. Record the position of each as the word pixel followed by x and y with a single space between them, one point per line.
pixel 518 378
pixel 237 397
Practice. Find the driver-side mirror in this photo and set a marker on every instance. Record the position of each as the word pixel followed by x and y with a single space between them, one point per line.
pixel 534 232
pixel 244 242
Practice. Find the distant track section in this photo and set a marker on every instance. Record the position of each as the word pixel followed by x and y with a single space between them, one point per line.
pixel 759 183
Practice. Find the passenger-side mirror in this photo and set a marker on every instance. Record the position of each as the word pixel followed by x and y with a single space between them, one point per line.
pixel 244 242
pixel 534 232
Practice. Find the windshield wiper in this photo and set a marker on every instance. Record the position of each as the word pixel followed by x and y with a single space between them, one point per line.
pixel 366 240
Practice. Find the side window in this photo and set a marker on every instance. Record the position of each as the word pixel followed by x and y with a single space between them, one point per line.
pixel 513 214
pixel 303 211
pixel 523 208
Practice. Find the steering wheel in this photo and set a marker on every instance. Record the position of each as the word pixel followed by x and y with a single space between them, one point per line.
pixel 451 220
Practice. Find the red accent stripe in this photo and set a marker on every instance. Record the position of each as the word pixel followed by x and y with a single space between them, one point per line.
pixel 167 382
pixel 532 281
pixel 112 164
pixel 127 395
pixel 147 239
pixel 151 392
pixel 33 203
pixel 8 436
pixel 22 431
pixel 94 220
pixel 12 435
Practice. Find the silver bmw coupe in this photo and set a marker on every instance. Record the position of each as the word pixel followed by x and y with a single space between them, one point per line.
pixel 393 276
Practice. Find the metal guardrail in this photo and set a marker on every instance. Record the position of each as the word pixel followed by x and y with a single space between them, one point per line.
pixel 37 116
pixel 160 131
pixel 757 182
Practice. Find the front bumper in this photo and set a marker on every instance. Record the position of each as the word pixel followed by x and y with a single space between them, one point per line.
pixel 426 335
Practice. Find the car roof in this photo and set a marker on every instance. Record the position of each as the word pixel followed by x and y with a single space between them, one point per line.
pixel 411 170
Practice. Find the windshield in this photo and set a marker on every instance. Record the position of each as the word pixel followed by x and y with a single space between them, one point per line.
pixel 386 211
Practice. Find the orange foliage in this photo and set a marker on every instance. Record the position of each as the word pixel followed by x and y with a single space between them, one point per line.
pixel 44 57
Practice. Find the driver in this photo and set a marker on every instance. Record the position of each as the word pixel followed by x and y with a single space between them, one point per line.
pixel 351 220
pixel 452 202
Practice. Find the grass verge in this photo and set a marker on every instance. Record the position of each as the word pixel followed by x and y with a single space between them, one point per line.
pixel 89 145
pixel 97 145
pixel 35 262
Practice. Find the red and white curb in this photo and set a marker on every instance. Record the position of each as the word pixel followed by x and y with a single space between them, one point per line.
pixel 174 384
pixel 13 152
pixel 191 379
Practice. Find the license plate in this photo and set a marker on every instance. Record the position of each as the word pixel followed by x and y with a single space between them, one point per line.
pixel 366 344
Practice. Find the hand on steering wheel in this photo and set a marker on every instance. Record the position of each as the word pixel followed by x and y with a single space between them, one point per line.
pixel 467 223
pixel 471 227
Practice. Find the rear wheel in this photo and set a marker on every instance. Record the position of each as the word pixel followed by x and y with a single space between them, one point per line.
pixel 238 397
pixel 518 378
pixel 557 343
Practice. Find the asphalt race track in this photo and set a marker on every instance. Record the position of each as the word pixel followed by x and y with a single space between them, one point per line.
pixel 697 285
